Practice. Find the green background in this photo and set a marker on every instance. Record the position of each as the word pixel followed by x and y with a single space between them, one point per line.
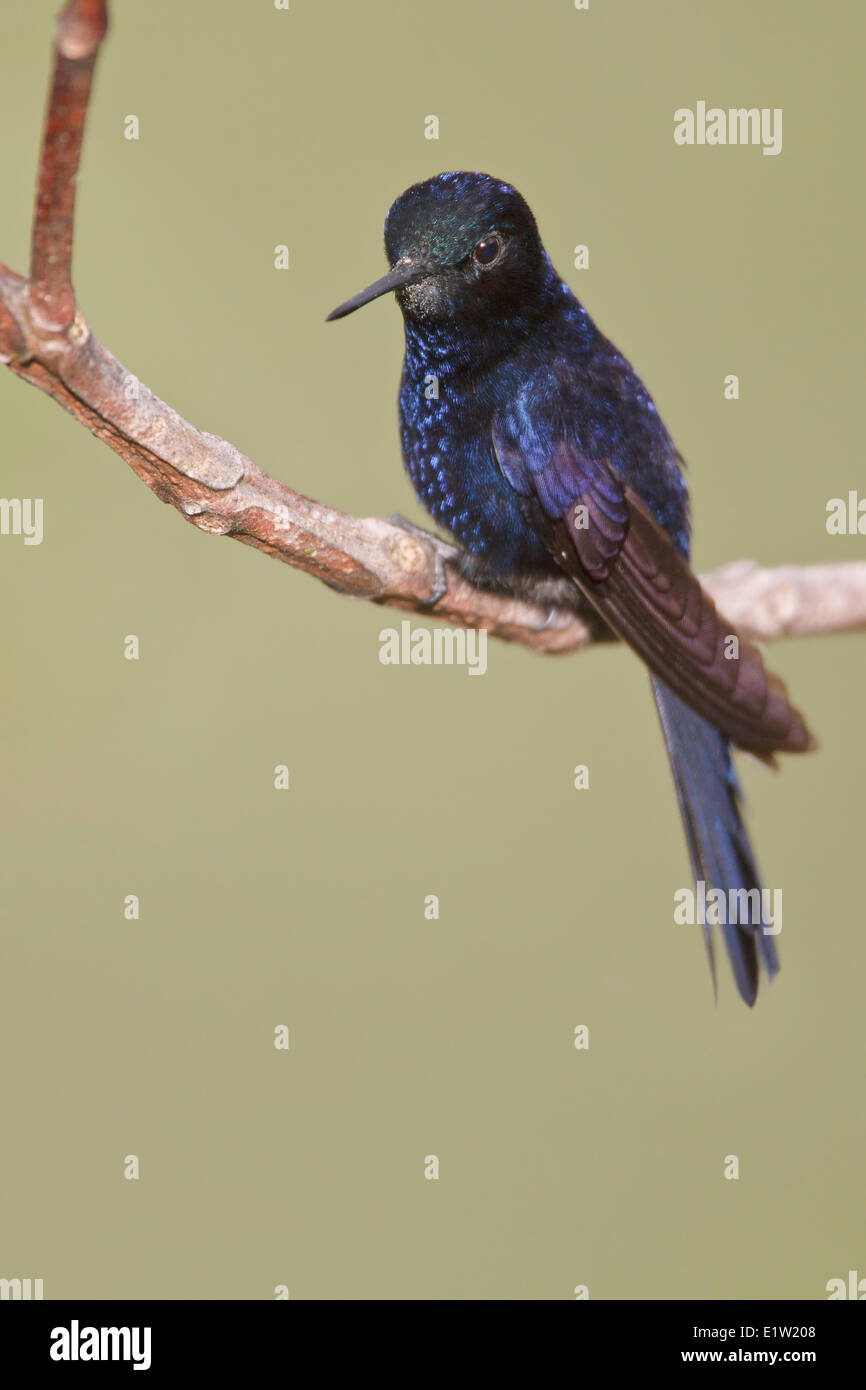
pixel 258 908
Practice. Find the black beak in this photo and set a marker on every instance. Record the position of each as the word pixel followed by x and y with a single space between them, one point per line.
pixel 405 272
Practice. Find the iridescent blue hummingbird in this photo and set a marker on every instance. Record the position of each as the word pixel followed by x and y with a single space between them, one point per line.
pixel 534 442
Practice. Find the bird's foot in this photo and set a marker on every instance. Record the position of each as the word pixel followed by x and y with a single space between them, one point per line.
pixel 551 618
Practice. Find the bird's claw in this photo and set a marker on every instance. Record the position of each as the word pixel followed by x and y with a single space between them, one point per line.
pixel 548 622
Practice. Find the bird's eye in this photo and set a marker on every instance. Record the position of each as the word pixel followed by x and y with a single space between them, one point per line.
pixel 488 250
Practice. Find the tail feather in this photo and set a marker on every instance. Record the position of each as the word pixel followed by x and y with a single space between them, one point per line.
pixel 709 797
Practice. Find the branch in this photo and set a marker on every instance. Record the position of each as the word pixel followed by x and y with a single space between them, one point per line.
pixel 44 339
pixel 80 31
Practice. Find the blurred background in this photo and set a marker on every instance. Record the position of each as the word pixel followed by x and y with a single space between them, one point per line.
pixel 305 908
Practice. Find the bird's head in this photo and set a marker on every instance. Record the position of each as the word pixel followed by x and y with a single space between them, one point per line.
pixel 461 246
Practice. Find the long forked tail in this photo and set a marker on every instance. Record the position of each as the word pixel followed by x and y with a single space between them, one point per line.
pixel 721 855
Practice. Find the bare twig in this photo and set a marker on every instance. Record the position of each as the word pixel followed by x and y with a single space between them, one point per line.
pixel 80 30
pixel 44 339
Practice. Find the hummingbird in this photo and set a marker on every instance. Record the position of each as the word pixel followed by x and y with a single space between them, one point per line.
pixel 533 441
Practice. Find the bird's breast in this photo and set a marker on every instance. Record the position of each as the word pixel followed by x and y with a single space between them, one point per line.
pixel 445 419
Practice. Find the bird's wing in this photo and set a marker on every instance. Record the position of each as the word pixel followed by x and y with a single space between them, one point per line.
pixel 605 538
